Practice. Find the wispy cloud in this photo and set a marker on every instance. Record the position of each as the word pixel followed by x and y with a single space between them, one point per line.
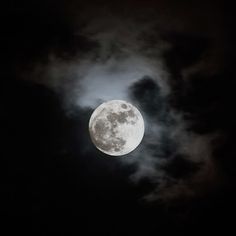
pixel 127 65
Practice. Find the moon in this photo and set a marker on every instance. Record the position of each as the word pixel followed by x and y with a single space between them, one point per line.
pixel 116 127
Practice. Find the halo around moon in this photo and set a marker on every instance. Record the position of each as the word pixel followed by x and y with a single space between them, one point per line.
pixel 116 127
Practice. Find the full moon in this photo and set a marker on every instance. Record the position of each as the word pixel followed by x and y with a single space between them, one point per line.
pixel 116 127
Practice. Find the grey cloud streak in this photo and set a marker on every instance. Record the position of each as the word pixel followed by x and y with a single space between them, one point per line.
pixel 127 66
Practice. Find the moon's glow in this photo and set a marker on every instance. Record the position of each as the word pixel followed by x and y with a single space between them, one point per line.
pixel 116 127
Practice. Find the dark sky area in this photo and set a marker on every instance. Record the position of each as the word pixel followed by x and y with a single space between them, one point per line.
pixel 174 60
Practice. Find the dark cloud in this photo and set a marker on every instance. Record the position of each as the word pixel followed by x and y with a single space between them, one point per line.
pixel 148 94
pixel 144 64
pixel 174 61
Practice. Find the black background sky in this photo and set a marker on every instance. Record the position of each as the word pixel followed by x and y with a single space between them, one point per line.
pixel 54 180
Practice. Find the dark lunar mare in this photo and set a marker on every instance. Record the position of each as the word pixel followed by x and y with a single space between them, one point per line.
pixel 101 128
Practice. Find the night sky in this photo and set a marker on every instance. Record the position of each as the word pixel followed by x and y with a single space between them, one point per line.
pixel 174 60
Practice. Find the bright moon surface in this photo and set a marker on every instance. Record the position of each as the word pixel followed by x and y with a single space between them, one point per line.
pixel 116 127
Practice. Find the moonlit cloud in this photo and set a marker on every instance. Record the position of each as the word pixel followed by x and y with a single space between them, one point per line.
pixel 125 66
